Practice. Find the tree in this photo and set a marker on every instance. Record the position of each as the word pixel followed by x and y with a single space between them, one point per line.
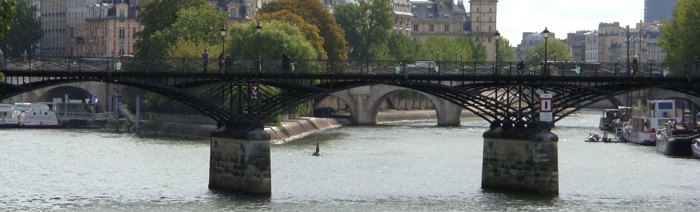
pixel 25 32
pixel 553 46
pixel 365 24
pixel 7 13
pixel 681 34
pixel 200 23
pixel 315 13
pixel 157 15
pixel 276 37
pixel 506 53
pixel 311 32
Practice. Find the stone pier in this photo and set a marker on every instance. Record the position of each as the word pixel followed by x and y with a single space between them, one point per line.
pixel 521 159
pixel 239 162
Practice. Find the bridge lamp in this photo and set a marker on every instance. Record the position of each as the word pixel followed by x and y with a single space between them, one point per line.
pixel 545 34
pixel 258 30
pixel 498 36
pixel 223 38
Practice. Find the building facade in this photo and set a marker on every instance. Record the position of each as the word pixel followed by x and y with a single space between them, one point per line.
pixel 592 47
pixel 655 10
pixel 577 45
pixel 53 23
pixel 109 31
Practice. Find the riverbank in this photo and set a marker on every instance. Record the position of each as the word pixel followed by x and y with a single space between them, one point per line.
pixel 177 127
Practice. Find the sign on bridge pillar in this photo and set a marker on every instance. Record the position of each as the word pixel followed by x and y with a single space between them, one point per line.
pixel 546 107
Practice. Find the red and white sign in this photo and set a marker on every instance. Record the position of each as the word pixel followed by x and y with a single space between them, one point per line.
pixel 546 107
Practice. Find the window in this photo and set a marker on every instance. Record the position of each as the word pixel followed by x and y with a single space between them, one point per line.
pixel 447 28
pixel 133 32
pixel 121 31
pixel 415 27
pixel 121 48
pixel 430 28
pixel 121 13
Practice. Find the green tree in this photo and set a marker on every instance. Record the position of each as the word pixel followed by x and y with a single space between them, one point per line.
pixel 311 32
pixel 365 24
pixel 453 49
pixel 25 32
pixel 7 13
pixel 157 15
pixel 276 37
pixel 506 53
pixel 315 13
pixel 681 34
pixel 536 55
pixel 200 23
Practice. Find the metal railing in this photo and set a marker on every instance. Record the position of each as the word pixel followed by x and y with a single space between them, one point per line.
pixel 367 67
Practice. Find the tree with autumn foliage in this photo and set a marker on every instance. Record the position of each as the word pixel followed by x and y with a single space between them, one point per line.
pixel 311 32
pixel 315 13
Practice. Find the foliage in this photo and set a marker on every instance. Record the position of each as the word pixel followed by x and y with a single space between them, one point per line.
pixel 453 49
pixel 506 53
pixel 400 47
pixel 276 37
pixel 202 23
pixel 681 34
pixel 365 24
pixel 314 13
pixel 25 32
pixel 7 13
pixel 536 55
pixel 192 49
pixel 311 32
pixel 157 15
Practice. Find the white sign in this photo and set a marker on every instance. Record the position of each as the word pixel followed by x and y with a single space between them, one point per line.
pixel 546 107
pixel 57 100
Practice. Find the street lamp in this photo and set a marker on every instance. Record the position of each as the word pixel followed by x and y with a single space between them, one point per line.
pixel 498 36
pixel 545 33
pixel 223 38
pixel 258 30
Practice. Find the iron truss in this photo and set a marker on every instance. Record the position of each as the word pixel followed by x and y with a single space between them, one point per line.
pixel 254 92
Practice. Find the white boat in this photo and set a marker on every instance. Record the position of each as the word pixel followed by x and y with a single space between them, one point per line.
pixel 35 114
pixel 7 115
pixel 648 120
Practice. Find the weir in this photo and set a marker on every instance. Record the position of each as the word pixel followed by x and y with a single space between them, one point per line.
pixel 521 159
pixel 239 162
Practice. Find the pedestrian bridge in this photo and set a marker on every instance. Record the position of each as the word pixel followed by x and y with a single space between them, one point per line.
pixel 252 92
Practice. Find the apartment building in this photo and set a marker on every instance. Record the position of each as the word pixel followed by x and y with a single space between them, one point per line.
pixel 53 23
pixel 591 47
pixel 577 45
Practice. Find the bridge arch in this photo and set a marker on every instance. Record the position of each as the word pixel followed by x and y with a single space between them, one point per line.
pixel 364 103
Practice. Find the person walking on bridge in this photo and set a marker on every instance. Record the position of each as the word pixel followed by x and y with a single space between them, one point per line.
pixel 205 60
pixel 286 60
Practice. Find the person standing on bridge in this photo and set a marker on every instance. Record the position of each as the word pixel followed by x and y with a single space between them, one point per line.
pixel 221 63
pixel 635 66
pixel 229 62
pixel 205 60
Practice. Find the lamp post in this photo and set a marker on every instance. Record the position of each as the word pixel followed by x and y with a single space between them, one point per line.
pixel 498 36
pixel 545 33
pixel 223 38
pixel 258 30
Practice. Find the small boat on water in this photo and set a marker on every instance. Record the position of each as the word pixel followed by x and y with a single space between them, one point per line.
pixel 592 138
pixel 647 120
pixel 8 116
pixel 676 139
pixel 695 146
pixel 606 121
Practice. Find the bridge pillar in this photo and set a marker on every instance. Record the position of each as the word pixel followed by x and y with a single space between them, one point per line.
pixel 521 159
pixel 240 162
pixel 360 104
pixel 448 113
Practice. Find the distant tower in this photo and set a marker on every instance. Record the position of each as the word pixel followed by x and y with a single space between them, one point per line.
pixel 483 24
pixel 655 10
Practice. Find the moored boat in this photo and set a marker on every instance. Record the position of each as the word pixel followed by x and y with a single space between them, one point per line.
pixel 695 146
pixel 36 114
pixel 676 139
pixel 8 116
pixel 646 121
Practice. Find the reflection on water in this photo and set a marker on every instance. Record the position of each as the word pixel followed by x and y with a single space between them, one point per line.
pixel 391 167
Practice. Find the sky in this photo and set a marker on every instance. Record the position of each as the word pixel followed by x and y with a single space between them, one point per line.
pixel 563 16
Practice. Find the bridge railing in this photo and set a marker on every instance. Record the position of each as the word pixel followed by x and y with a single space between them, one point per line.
pixel 367 67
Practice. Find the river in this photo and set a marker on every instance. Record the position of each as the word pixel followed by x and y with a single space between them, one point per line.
pixel 409 166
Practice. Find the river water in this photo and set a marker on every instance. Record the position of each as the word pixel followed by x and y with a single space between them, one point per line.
pixel 410 166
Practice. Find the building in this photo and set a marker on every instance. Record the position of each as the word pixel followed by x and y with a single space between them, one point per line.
pixel 402 16
pixel 655 10
pixel 239 11
pixel 53 23
pixel 444 18
pixel 591 47
pixel 577 45
pixel 609 35
pixel 530 41
pixel 109 30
